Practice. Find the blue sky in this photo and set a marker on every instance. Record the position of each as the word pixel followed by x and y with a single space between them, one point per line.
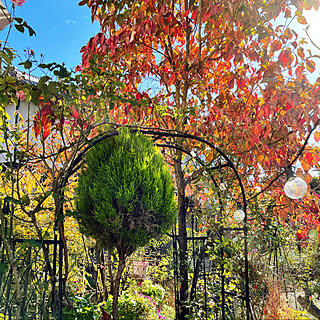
pixel 62 28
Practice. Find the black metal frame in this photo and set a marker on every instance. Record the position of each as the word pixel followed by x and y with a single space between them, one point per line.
pixel 56 277
pixel 199 267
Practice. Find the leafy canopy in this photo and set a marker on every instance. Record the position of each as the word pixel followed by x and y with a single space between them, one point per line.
pixel 125 193
pixel 234 72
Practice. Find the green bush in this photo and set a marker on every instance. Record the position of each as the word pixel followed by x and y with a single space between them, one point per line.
pixel 125 198
pixel 125 194
pixel 82 309
pixel 155 291
pixel 134 306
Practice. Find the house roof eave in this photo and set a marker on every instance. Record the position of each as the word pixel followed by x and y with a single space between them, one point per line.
pixel 5 17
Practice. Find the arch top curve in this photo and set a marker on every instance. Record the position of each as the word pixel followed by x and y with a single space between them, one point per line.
pixel 162 134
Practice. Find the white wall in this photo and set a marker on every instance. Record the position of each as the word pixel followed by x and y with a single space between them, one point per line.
pixel 15 118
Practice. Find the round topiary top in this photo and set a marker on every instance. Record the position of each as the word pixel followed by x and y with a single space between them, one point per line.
pixel 125 193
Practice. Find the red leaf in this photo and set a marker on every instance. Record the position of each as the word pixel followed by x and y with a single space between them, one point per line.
pixel 309 157
pixel 44 121
pixel 242 83
pixel 284 58
pixel 316 194
pixel 37 125
pixel 288 13
pixel 301 235
pixel 47 111
pixel 194 15
pixel 46 130
pixel 75 113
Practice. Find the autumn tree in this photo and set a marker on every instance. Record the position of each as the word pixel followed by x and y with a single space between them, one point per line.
pixel 228 71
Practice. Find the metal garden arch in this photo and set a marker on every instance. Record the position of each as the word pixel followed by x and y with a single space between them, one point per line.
pixel 161 134
pixel 75 165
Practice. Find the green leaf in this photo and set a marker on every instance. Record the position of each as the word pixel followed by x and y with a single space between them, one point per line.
pixel 19 20
pixel 3 268
pixel 63 72
pixel 3 99
pixel 47 193
pixel 34 243
pixel 5 57
pixel 19 27
pixel 111 105
pixel 27 64
pixel 70 213
pixel 42 81
pixel 53 87
pixel 43 65
pixel 31 31
pixel 9 53
pixel 262 35
pixel 11 199
pixel 35 95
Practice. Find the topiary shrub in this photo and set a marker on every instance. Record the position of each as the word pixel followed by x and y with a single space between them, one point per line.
pixel 124 197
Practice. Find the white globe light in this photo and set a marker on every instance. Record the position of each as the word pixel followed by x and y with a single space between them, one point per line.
pixel 239 215
pixel 295 188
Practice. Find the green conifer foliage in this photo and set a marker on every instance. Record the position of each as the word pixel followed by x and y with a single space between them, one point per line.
pixel 125 194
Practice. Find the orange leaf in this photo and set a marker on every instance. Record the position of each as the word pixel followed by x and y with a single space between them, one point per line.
pixel 287 33
pixel 288 13
pixel 310 65
pixel 307 4
pixel 305 165
pixel 302 20
pixel 300 53
pixel 276 45
pixel 299 173
pixel 283 215
pixel 307 178
pixel 317 136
